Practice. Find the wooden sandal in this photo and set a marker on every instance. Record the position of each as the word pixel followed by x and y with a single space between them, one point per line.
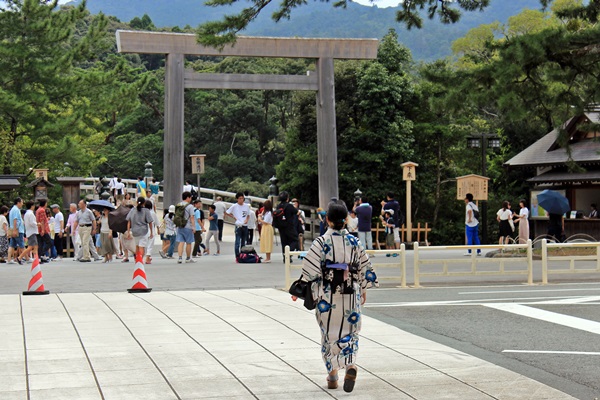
pixel 350 379
pixel 332 381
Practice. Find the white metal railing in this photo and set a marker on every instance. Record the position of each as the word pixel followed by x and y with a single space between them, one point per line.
pixel 474 262
pixel 571 258
pixel 400 264
pixel 208 196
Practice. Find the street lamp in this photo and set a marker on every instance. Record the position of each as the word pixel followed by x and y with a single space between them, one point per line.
pixel 148 173
pixel 484 141
pixel 357 194
pixel 273 189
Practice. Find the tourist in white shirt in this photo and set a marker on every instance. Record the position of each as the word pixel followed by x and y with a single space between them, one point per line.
pixel 220 209
pixel 523 220
pixel 59 229
pixel 31 230
pixel 241 213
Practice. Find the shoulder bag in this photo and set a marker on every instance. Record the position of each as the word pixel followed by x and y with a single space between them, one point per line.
pixel 302 290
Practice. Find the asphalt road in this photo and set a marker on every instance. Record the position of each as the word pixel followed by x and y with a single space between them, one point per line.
pixel 548 333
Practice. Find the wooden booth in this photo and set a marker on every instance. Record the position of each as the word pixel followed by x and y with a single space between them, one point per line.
pixel 549 159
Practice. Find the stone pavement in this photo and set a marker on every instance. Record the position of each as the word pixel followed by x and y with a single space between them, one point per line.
pixel 227 344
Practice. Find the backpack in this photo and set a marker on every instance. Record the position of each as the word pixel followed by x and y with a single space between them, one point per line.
pixel 179 218
pixel 248 256
pixel 194 193
pixel 279 220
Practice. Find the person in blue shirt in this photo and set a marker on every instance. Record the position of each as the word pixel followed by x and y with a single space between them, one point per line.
pixel 199 216
pixel 141 187
pixel 16 230
pixel 213 230
pixel 154 188
pixel 364 212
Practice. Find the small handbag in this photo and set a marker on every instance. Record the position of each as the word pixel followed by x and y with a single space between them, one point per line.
pixel 302 290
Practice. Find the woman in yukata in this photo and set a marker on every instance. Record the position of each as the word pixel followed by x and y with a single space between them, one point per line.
pixel 340 272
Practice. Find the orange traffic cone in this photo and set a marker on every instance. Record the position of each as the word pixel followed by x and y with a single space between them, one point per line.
pixel 36 284
pixel 140 285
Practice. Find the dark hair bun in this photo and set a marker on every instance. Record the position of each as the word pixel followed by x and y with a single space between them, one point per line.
pixel 337 214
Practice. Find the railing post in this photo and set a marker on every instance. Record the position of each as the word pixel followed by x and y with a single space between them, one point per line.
pixel 288 278
pixel 598 258
pixel 403 267
pixel 416 264
pixel 544 261
pixel 529 262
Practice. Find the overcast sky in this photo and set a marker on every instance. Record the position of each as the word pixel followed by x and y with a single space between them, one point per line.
pixel 379 3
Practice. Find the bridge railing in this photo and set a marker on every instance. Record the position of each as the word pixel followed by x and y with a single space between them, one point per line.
pixel 208 197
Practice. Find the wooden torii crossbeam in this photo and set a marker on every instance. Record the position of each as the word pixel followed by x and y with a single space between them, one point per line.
pixel 176 45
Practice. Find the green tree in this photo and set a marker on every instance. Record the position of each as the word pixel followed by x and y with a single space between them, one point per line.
pixel 541 69
pixel 145 23
pixel 373 134
pixel 55 105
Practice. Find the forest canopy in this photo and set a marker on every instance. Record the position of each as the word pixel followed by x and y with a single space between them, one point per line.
pixel 70 103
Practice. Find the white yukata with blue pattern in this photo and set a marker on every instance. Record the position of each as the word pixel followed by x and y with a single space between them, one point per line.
pixel 338 315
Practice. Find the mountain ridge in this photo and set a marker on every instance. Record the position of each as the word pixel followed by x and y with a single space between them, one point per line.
pixel 320 19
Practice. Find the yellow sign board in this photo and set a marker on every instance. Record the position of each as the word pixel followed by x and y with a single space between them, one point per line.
pixel 409 171
pixel 475 184
pixel 198 163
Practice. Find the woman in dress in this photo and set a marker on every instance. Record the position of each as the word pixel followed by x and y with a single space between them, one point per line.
pixel 340 272
pixel 127 243
pixel 502 216
pixel 107 244
pixel 523 220
pixel 139 222
pixel 266 230
pixel 96 237
pixel 3 233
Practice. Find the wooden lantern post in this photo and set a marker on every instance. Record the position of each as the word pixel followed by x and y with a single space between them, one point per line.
pixel 409 174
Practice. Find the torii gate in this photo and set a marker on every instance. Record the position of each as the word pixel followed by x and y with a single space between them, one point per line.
pixel 177 45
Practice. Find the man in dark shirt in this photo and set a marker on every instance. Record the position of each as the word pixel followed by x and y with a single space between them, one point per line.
pixel 287 232
pixel 364 213
pixel 397 216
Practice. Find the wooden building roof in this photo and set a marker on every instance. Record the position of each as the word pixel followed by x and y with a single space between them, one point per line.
pixel 583 147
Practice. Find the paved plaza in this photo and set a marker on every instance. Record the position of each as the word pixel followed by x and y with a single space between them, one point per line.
pixel 210 330
pixel 229 344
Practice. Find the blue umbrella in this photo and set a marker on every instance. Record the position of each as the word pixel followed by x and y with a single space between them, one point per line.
pixel 100 205
pixel 553 202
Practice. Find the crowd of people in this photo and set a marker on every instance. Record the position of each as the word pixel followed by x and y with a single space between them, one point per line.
pixel 513 227
pixel 507 220
pixel 28 229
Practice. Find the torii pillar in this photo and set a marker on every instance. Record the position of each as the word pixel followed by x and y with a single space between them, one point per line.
pixel 177 45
